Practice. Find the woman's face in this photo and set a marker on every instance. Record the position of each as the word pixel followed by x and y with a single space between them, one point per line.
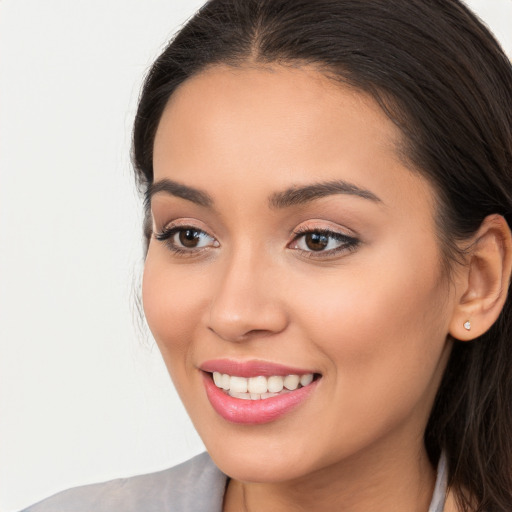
pixel 291 238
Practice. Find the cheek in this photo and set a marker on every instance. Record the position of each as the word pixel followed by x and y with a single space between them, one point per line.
pixel 172 303
pixel 382 331
pixel 374 314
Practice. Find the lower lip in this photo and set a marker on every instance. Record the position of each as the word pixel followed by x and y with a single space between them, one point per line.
pixel 254 412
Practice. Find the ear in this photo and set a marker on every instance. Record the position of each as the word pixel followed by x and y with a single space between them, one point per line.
pixel 484 282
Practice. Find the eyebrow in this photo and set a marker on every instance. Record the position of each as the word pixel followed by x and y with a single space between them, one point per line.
pixel 300 195
pixel 292 196
pixel 178 190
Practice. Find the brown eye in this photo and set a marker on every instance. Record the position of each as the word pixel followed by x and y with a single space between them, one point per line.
pixel 182 239
pixel 316 241
pixel 323 242
pixel 189 238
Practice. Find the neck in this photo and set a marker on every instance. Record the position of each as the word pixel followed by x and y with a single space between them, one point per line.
pixel 367 482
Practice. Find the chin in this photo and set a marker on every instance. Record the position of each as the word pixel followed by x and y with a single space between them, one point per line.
pixel 261 466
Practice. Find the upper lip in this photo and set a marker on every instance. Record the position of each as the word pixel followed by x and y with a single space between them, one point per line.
pixel 251 368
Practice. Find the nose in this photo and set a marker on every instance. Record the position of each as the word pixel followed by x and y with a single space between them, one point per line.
pixel 247 301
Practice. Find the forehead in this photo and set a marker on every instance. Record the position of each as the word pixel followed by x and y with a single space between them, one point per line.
pixel 269 128
pixel 276 106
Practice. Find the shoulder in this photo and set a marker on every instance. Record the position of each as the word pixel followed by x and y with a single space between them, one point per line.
pixel 195 485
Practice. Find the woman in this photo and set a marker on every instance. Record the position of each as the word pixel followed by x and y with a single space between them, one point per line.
pixel 328 199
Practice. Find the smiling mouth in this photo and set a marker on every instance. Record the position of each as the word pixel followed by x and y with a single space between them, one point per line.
pixel 256 392
pixel 261 387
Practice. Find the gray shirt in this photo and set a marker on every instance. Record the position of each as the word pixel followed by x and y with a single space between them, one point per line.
pixel 194 486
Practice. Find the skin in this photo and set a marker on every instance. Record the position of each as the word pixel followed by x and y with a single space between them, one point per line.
pixel 373 319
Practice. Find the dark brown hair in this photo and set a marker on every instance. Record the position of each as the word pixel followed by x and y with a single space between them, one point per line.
pixel 442 78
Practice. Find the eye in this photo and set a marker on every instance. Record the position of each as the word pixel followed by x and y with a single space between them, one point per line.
pixel 322 241
pixel 186 239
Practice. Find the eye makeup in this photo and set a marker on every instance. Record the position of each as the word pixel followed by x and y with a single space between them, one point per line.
pixel 311 242
pixel 186 240
pixel 320 242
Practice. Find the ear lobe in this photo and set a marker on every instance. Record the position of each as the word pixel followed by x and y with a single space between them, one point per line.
pixel 484 283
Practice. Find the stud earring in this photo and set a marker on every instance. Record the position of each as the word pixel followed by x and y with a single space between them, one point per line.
pixel 467 325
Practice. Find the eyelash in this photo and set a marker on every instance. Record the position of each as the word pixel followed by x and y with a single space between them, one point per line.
pixel 348 243
pixel 167 235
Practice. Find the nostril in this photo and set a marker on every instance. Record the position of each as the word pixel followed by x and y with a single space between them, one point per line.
pixel 239 335
pixel 258 332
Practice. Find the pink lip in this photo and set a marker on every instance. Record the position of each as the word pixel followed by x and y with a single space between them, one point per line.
pixel 250 368
pixel 254 412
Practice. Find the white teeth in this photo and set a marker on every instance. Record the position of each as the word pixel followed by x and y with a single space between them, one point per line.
pixel 268 395
pixel 238 384
pixel 291 382
pixel 275 384
pixel 257 385
pixel 243 396
pixel 307 379
pixel 217 378
pixel 261 387
pixel 224 383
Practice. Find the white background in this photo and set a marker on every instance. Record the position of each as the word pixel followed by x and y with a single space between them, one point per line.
pixel 84 396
